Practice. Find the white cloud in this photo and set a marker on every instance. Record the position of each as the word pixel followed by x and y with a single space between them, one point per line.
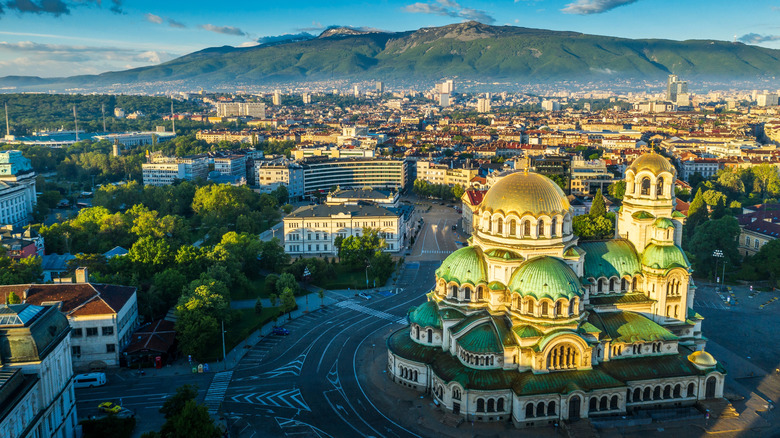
pixel 154 18
pixel 754 38
pixel 450 8
pixel 227 30
pixel 587 7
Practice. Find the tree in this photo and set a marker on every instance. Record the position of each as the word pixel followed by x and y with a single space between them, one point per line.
pixel 355 251
pixel 617 190
pixel 150 255
pixel 272 255
pixel 588 227
pixel 287 281
pixel 697 213
pixel 598 208
pixel 258 305
pixel 193 421
pixel 457 191
pixel 169 284
pixel 720 234
pixel 767 262
pixel 13 298
pixel 321 295
pixel 288 303
pixel 270 283
pixel 175 404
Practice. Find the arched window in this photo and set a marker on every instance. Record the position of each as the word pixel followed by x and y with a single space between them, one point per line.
pixel 545 308
pixel 633 285
pixel 593 405
pixel 612 285
pixel 512 227
pixel 491 405
pixel 490 225
pixel 600 285
pixel 417 332
pixel 467 293
pixel 500 405
pixel 430 336
pixel 500 226
pixel 456 393
pixel 691 390
pixel 480 405
pixel 645 186
pixel 646 394
pixel 603 403
pixel 554 227
pixel 623 285
pixel 479 293
pixel 637 395
pixel 540 229
pixel 563 357
pixel 454 291
pixel 667 391
pixel 573 306
pixel 551 408
pixel 558 309
pixel 657 393
pixel 659 188
pixel 540 409
pixel 526 228
pixel 709 390
pixel 613 404
pixel 677 391
pixel 529 410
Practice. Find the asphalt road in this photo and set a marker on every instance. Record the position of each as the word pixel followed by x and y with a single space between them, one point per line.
pixel 306 384
pixel 436 239
pixel 144 395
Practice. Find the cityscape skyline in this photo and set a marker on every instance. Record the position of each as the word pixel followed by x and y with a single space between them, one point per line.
pixel 67 38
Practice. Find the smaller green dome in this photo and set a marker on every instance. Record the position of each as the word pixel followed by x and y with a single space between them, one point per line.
pixel 642 215
pixel 426 315
pixel 503 254
pixel 496 285
pixel 546 276
pixel 464 266
pixel 664 257
pixel 663 223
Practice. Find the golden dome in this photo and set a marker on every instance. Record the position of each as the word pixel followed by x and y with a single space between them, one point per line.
pixel 702 359
pixel 653 162
pixel 525 193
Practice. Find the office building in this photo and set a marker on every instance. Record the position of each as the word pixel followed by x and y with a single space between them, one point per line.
pixel 765 100
pixel 444 100
pixel 271 174
pixel 241 109
pixel 277 99
pixel 162 171
pixel 675 88
pixel 379 173
pixel 17 188
pixel 551 105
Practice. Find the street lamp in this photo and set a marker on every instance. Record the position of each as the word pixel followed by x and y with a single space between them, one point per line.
pixel 718 254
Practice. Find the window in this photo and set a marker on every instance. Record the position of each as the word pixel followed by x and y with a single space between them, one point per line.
pixel 108 331
pixel 91 331
pixel 110 348
pixel 756 244
pixel 77 333
pixel 76 350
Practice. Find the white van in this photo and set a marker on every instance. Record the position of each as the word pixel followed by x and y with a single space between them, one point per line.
pixel 89 380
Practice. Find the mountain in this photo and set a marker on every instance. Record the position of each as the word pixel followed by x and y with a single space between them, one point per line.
pixel 466 50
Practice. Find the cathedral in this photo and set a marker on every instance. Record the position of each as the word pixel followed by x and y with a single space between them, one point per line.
pixel 528 324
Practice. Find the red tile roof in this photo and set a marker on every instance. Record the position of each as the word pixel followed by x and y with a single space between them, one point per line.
pixel 156 336
pixel 78 299
pixel 475 196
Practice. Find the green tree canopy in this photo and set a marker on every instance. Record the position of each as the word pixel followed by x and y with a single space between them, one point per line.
pixel 598 208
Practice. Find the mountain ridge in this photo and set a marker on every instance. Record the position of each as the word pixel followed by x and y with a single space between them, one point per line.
pixel 469 50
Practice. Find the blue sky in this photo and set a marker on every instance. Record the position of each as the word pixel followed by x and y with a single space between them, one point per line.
pixel 67 37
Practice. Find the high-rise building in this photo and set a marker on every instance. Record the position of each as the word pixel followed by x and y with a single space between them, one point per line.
pixel 766 100
pixel 251 109
pixel 306 98
pixel 356 91
pixel 277 98
pixel 483 104
pixel 380 87
pixel 444 100
pixel 551 105
pixel 675 88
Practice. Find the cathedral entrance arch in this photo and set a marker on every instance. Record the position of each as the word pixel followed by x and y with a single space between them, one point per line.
pixel 710 388
pixel 574 407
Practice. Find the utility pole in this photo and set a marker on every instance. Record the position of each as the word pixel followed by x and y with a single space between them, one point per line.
pixel 224 360
pixel 103 110
pixel 76 119
pixel 173 119
pixel 7 126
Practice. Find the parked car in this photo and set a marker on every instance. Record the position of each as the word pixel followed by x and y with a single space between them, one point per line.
pixel 281 331
pixel 110 407
pixel 454 227
pixel 364 295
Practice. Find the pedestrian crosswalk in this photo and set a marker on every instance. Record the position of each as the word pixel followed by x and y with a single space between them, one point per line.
pixel 349 304
pixel 426 251
pixel 216 392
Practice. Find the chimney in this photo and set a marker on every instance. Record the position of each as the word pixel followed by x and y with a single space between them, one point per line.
pixel 82 275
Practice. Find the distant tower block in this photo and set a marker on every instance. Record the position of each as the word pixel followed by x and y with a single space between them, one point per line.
pixel 306 98
pixel 277 97
pixel 357 91
pixel 380 87
pixel 116 151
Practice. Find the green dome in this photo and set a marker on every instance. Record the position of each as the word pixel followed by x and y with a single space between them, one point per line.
pixel 664 257
pixel 464 266
pixel 663 223
pixel 548 277
pixel 610 258
pixel 426 315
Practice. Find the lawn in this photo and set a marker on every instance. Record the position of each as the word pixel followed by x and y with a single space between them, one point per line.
pixel 346 279
pixel 256 289
pixel 244 323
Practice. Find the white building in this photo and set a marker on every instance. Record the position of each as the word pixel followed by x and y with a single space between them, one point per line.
pixel 163 171
pixel 102 316
pixel 386 173
pixel 231 165
pixel 277 99
pixel 551 105
pixel 17 188
pixel 444 100
pixel 313 229
pixel 272 174
pixel 36 390
pixel 587 176
pixel 766 100
pixel 130 139
pixel 483 105
pixel 249 109
pixel 705 167
pixel 119 113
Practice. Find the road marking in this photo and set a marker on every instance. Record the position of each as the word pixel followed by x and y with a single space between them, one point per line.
pixel 286 398
pixel 436 252
pixel 299 428
pixel 291 369
pixel 216 392
pixel 349 304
